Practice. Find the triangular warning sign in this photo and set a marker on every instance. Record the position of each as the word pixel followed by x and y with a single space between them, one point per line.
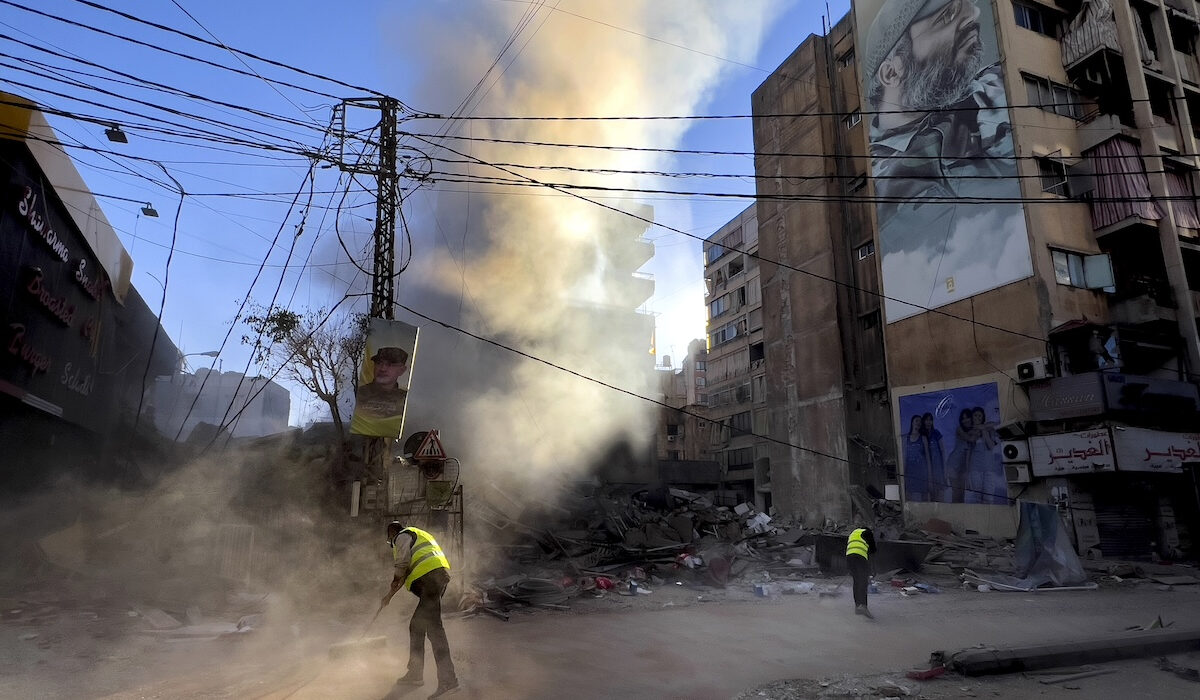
pixel 431 447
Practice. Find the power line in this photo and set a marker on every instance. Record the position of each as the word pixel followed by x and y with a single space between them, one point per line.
pixel 739 154
pixel 656 402
pixel 135 81
pixel 755 256
pixel 864 199
pixel 163 49
pixel 235 51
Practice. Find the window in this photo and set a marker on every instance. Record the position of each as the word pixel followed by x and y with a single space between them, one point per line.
pixel 864 251
pixel 869 320
pixel 736 267
pixel 742 458
pixel 700 381
pixel 1054 176
pixel 1035 19
pixel 742 393
pixel 739 423
pixel 700 364
pixel 672 429
pixel 851 120
pixel 1083 271
pixel 719 306
pixel 722 335
pixel 856 184
pixel 673 455
pixel 728 242
pixel 757 352
pixel 846 60
pixel 1053 97
pixel 739 296
pixel 702 399
pixel 759 386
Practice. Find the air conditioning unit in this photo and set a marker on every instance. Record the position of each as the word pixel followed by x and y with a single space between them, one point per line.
pixel 1032 370
pixel 671 438
pixel 1018 473
pixel 1014 451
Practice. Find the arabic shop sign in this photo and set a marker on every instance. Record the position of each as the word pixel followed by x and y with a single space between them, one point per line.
pixel 1067 397
pixel 1142 450
pixel 1072 453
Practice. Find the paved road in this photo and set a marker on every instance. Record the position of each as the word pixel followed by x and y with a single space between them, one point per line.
pixel 714 651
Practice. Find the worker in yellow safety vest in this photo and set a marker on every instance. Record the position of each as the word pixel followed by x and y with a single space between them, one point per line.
pixel 859 546
pixel 422 568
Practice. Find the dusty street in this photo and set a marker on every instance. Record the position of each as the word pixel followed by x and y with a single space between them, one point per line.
pixel 664 645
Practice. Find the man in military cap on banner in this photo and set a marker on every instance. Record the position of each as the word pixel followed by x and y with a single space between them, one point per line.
pixel 379 405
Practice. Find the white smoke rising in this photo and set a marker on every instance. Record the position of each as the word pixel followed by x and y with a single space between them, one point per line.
pixel 538 270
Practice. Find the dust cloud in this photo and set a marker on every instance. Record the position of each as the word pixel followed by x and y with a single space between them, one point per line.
pixel 539 270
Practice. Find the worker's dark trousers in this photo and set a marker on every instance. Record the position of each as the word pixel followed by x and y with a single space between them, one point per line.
pixel 427 621
pixel 858 570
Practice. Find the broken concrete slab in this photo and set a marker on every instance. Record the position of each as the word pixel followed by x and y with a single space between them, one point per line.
pixel 158 619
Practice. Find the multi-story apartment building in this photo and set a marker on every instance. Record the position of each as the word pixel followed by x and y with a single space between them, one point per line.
pixel 1029 181
pixel 735 378
pixel 683 432
pixel 250 406
pixel 826 384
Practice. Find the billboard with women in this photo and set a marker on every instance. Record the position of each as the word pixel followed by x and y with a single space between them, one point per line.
pixel 949 449
pixel 948 199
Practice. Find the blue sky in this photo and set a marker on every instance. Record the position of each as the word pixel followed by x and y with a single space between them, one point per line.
pixel 386 46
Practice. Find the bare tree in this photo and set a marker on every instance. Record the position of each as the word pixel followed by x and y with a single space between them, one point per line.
pixel 319 351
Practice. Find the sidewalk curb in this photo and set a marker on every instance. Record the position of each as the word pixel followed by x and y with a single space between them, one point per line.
pixel 1125 645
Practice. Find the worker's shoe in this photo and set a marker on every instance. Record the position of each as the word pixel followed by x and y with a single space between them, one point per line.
pixel 410 679
pixel 444 690
pixel 863 610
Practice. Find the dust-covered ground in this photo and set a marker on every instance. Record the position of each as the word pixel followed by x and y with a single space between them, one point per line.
pixel 71 639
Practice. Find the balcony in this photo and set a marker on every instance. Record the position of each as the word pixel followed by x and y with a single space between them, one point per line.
pixel 629 255
pixel 1089 35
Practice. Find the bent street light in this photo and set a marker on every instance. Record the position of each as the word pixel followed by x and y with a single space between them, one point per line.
pixel 150 211
pixel 115 134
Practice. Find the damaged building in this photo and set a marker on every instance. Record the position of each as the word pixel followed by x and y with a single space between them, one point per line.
pixel 987 291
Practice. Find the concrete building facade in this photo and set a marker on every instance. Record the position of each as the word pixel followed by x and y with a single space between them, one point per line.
pixel 251 406
pixel 1036 242
pixel 735 376
pixel 78 339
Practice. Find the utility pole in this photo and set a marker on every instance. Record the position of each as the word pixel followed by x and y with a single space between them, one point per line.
pixel 387 184
pixel 354 159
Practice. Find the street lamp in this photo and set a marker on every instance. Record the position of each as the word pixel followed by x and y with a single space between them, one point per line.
pixel 183 363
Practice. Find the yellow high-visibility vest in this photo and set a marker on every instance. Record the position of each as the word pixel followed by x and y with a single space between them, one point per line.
pixel 426 556
pixel 856 544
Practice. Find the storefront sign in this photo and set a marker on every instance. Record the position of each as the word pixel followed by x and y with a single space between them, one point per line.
pixel 1072 453
pixel 94 288
pixel 1142 450
pixel 19 347
pixel 27 206
pixel 59 307
pixel 1128 392
pixel 1067 397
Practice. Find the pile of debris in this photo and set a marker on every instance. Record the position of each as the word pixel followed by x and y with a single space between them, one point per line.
pixel 968 550
pixel 629 541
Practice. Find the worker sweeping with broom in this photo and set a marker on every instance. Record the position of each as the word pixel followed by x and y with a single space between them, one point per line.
pixel 423 569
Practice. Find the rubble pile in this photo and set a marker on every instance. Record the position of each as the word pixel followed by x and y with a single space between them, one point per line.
pixel 967 550
pixel 629 542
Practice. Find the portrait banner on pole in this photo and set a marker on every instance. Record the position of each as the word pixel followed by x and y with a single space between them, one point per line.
pixel 382 385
